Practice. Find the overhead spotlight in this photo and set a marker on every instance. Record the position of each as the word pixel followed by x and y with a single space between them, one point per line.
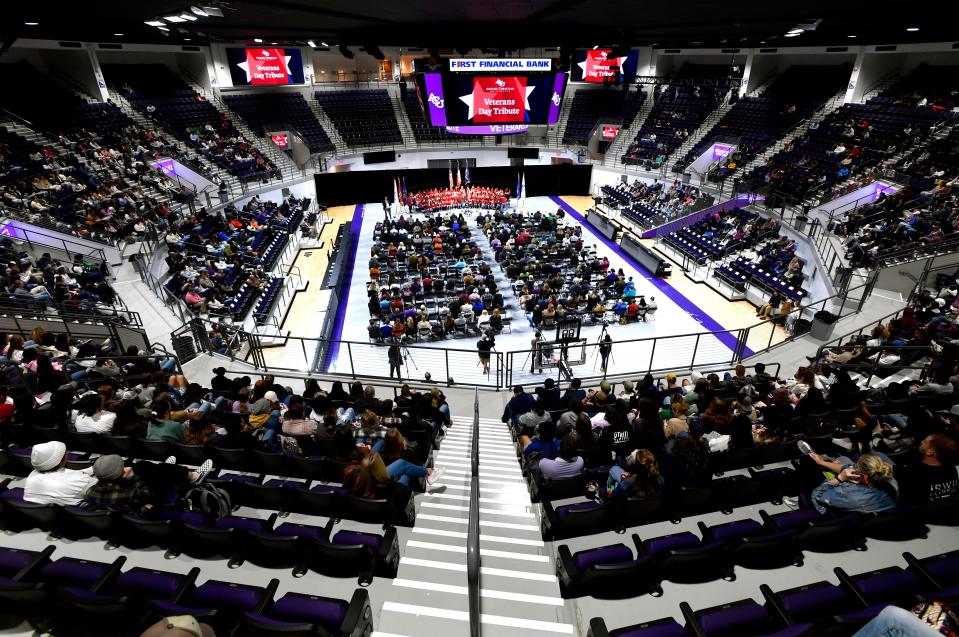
pixel 173 19
pixel 345 52
pixel 257 40
pixel 311 44
pixel 912 29
pixel 198 11
pixel 155 23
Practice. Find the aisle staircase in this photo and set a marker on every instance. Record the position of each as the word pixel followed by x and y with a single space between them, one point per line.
pixel 614 155
pixel 519 591
pixel 328 125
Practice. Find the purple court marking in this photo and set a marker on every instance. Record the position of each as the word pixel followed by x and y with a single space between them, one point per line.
pixel 724 337
pixel 334 349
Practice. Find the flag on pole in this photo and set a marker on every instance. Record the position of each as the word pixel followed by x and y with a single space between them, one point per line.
pixel 403 183
pixel 519 185
pixel 459 181
pixel 523 187
pixel 466 175
pixel 451 175
pixel 396 189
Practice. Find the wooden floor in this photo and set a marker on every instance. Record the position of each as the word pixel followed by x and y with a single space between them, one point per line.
pixel 730 314
pixel 308 310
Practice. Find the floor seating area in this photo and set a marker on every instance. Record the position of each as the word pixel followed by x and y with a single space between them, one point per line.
pixel 601 103
pixel 163 96
pixel 757 122
pixel 362 117
pixel 264 112
pixel 429 280
pixel 678 110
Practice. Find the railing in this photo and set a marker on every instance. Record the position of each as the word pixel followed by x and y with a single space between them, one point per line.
pixel 44 240
pixel 472 534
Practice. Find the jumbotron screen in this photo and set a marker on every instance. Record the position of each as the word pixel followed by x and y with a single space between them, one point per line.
pixel 600 65
pixel 265 66
pixel 491 100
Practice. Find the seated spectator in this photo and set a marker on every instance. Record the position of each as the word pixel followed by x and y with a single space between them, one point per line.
pixel 549 396
pixel 639 477
pixel 567 463
pixel 866 486
pixel 294 422
pixel 678 423
pixel 161 426
pixel 519 404
pixel 544 445
pixel 530 421
pixel 92 418
pixel 51 482
pixel 199 429
pixel 937 468
pixel 139 488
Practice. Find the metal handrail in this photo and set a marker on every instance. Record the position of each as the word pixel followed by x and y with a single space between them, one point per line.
pixel 472 545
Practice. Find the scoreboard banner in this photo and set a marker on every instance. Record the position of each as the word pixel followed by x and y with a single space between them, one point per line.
pixel 499 65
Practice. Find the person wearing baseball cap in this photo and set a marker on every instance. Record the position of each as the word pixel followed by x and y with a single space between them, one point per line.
pixel 51 482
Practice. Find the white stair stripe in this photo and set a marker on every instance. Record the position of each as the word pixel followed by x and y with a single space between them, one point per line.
pixel 464 590
pixel 436 546
pixel 455 507
pixel 484 570
pixel 487 523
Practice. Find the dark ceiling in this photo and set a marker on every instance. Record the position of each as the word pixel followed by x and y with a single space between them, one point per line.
pixel 494 24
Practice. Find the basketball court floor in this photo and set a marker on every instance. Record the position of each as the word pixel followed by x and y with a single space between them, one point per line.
pixel 685 309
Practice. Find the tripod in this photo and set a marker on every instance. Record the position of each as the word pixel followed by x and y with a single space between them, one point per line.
pixel 409 357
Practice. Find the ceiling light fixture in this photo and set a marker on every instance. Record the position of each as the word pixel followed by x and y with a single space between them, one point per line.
pixel 173 19
pixel 792 35
pixel 850 36
pixel 164 29
pixel 794 32
pixel 198 11
pixel 119 35
pixel 324 44
pixel 187 39
pixel 32 24
pixel 312 44
pixel 912 29
pixel 257 40
pixel 188 16
pixel 213 12
pixel 155 23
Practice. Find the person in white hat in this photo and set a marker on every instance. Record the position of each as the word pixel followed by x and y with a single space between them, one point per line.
pixel 51 482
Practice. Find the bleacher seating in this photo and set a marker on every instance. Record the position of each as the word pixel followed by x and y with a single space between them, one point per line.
pixel 159 93
pixel 422 130
pixel 280 111
pixel 678 111
pixel 858 137
pixel 362 117
pixel 591 105
pixel 759 121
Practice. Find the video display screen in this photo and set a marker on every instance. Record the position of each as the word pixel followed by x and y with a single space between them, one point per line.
pixel 265 66
pixel 478 100
pixel 598 65
pixel 610 132
pixel 280 140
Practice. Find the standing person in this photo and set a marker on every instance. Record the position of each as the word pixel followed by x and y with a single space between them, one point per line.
pixel 483 346
pixel 536 347
pixel 605 349
pixel 396 360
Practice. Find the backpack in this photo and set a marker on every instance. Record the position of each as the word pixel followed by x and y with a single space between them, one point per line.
pixel 208 499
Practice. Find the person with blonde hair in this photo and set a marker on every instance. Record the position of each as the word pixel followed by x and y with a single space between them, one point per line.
pixel 866 486
pixel 639 478
pixel 373 479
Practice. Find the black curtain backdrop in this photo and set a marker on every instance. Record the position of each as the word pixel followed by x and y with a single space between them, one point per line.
pixel 370 186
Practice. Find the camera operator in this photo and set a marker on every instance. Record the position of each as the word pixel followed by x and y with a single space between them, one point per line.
pixel 536 347
pixel 483 346
pixel 395 356
pixel 605 349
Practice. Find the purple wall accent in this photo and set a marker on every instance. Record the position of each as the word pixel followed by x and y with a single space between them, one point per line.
pixel 434 97
pixel 337 333
pixel 721 150
pixel 696 217
pixel 556 98
pixel 10 230
pixel 708 323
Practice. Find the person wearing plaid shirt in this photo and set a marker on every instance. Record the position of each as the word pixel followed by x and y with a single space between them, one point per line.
pixel 370 431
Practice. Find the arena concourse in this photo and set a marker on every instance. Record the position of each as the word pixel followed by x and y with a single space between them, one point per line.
pixel 365 321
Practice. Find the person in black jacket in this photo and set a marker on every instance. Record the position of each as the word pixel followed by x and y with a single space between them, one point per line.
pixel 395 357
pixel 483 347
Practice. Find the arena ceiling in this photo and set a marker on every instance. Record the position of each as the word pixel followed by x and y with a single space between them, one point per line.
pixel 492 24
